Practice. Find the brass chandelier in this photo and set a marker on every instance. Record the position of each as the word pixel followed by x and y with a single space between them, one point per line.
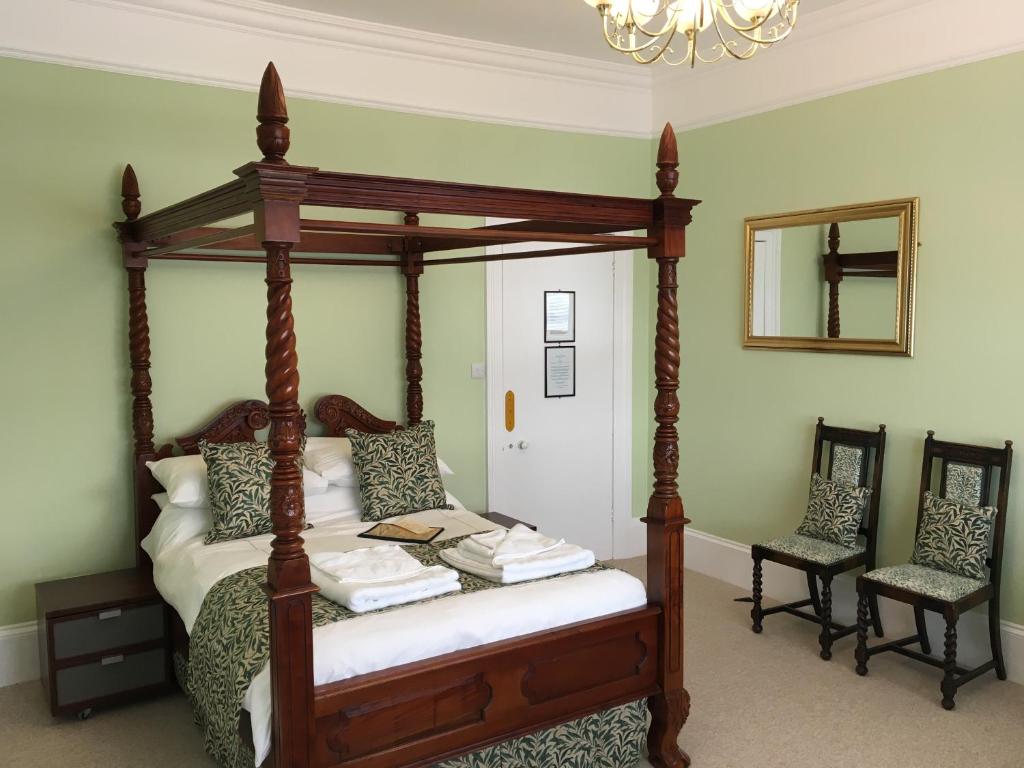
pixel 680 31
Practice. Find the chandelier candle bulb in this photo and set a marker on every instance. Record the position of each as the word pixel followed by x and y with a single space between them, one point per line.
pixel 688 31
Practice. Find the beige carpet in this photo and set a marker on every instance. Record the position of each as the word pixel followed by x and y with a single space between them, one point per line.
pixel 761 701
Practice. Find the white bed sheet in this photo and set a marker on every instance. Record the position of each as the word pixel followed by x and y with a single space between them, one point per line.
pixel 356 646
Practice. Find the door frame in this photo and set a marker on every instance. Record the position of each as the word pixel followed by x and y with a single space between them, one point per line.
pixel 628 533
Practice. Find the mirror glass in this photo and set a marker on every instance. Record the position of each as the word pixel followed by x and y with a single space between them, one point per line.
pixel 837 279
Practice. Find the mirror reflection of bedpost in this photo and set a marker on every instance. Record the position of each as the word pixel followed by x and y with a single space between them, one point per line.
pixel 288 579
pixel 665 518
pixel 138 353
pixel 833 276
pixel 837 279
pixel 412 268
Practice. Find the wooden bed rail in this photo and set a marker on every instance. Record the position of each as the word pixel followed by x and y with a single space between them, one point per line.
pixel 305 722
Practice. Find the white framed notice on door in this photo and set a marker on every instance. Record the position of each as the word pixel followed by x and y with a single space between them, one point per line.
pixel 559 371
pixel 559 316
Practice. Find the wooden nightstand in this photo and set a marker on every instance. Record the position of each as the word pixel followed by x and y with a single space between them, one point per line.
pixel 103 639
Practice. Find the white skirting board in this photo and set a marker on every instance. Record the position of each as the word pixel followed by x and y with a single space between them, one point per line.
pixel 719 558
pixel 19 654
pixel 730 561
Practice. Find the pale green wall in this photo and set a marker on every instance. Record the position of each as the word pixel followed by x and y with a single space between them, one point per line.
pixel 801 281
pixel 867 305
pixel 65 454
pixel 951 137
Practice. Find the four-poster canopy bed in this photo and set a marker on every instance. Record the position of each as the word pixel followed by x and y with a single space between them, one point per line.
pixel 419 713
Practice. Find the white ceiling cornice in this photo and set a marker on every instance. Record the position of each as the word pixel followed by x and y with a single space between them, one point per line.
pixel 842 47
pixel 320 56
pixel 851 45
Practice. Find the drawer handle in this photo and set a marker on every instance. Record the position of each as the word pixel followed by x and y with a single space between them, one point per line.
pixel 113 613
pixel 108 660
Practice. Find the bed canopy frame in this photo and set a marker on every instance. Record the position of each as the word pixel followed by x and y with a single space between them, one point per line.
pixel 428 711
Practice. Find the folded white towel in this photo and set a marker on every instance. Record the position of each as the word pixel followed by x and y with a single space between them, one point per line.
pixel 501 547
pixel 368 565
pixel 564 558
pixel 370 596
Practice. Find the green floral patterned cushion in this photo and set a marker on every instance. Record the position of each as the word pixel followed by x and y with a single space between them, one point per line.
pixel 239 480
pixel 815 550
pixel 397 471
pixel 834 512
pixel 847 461
pixel 926 581
pixel 954 537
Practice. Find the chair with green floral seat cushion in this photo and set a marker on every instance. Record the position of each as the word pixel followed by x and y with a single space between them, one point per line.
pixel 838 532
pixel 958 536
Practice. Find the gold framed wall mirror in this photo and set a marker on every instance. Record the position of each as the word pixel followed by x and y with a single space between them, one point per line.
pixel 833 279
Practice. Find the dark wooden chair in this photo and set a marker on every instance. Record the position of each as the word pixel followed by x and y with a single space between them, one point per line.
pixel 966 474
pixel 852 454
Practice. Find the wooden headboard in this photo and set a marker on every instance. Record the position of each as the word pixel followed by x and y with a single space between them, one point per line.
pixel 338 413
pixel 237 423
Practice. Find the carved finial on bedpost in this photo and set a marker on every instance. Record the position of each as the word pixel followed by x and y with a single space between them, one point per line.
pixel 130 194
pixel 668 162
pixel 272 134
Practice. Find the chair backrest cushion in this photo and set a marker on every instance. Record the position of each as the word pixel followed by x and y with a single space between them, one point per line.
pixel 954 537
pixel 964 483
pixel 834 511
pixel 848 464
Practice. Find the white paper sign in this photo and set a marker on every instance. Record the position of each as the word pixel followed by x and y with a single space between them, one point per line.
pixel 559 371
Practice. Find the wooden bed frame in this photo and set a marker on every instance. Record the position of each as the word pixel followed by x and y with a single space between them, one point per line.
pixel 420 713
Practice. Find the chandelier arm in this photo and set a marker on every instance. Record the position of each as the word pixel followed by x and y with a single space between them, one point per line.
pixel 625 48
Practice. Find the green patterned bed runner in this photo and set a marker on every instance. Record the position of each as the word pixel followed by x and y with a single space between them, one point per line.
pixel 613 738
pixel 230 644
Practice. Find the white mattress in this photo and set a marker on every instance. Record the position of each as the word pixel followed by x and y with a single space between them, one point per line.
pixel 356 646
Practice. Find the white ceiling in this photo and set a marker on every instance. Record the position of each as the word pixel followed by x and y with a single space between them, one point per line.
pixel 563 26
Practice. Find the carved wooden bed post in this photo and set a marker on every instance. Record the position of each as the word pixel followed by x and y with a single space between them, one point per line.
pixel 288 582
pixel 138 352
pixel 665 518
pixel 833 276
pixel 412 268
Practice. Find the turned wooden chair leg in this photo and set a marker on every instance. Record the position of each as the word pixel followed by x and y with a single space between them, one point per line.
pixel 756 614
pixel 996 639
pixel 812 589
pixel 825 639
pixel 861 654
pixel 922 630
pixel 876 617
pixel 949 663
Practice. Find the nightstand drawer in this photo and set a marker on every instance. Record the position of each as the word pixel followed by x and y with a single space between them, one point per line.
pixel 111 675
pixel 106 630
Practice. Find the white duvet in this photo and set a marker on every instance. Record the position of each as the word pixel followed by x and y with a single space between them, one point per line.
pixel 185 572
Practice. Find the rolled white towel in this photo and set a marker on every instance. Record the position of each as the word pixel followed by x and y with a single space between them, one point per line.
pixel 564 558
pixel 501 547
pixel 370 596
pixel 369 565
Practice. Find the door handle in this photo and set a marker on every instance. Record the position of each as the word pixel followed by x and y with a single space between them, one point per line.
pixel 523 445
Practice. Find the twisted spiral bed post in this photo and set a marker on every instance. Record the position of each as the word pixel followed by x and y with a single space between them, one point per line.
pixel 665 516
pixel 289 588
pixel 143 449
pixel 412 268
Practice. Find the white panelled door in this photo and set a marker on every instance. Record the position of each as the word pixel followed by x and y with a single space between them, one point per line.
pixel 555 466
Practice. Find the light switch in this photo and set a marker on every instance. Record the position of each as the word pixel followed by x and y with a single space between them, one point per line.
pixel 477 370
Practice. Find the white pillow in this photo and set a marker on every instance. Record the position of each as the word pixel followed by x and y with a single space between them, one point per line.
pixel 162 500
pixel 174 526
pixel 331 458
pixel 184 479
pixel 337 503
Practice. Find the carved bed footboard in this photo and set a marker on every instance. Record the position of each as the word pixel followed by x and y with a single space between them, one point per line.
pixel 421 713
